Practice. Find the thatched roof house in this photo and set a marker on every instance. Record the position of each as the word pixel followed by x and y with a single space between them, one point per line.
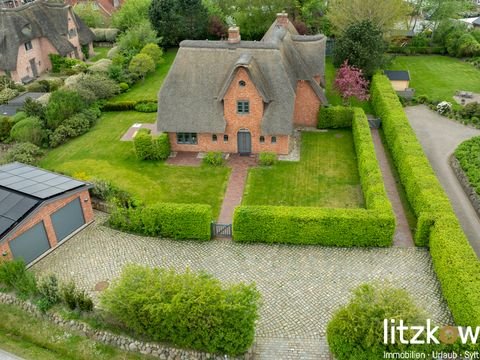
pixel 29 33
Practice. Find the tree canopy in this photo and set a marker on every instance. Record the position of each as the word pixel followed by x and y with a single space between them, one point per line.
pixel 132 13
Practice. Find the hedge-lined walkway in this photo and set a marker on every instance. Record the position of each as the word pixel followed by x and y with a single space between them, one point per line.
pixel 403 235
pixel 301 286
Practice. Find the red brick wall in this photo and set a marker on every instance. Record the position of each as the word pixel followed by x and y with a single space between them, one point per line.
pixel 44 214
pixel 306 105
pixel 235 122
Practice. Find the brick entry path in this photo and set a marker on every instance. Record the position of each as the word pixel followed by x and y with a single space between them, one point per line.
pixel 236 185
pixel 403 235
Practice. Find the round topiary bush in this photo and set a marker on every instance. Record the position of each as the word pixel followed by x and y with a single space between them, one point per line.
pixel 28 130
pixel 356 331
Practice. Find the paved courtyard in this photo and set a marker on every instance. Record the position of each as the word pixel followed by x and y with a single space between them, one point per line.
pixel 301 286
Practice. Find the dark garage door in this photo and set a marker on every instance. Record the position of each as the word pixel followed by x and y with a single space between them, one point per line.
pixel 68 219
pixel 31 244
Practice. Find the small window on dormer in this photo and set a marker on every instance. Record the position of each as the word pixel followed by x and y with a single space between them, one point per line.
pixel 28 45
pixel 242 83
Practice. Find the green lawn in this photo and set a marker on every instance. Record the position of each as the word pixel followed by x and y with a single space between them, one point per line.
pixel 326 176
pixel 438 76
pixel 100 153
pixel 100 53
pixel 36 339
pixel 333 96
pixel 148 89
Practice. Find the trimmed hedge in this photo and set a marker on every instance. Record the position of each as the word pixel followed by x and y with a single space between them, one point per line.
pixel 140 106
pixel 175 221
pixel 335 117
pixel 454 260
pixel 467 155
pixel 148 147
pixel 325 226
pixel 319 226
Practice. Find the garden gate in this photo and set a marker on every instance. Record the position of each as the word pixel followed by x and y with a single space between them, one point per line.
pixel 221 230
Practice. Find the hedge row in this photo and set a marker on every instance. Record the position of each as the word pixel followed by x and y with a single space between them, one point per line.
pixel 323 226
pixel 129 105
pixel 454 260
pixel 149 147
pixel 335 117
pixel 416 174
pixel 313 226
pixel 413 50
pixel 174 221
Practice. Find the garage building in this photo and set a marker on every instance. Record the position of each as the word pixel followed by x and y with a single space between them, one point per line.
pixel 39 210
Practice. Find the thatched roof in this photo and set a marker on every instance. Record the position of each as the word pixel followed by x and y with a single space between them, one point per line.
pixel 34 20
pixel 191 98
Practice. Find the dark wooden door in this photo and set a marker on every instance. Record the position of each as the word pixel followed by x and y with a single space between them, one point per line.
pixel 244 142
pixel 33 65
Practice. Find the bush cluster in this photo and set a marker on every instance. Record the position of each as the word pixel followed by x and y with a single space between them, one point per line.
pixel 467 155
pixel 175 221
pixel 214 158
pixel 146 106
pixel 119 106
pixel 267 159
pixel 65 65
pixel 454 261
pixel 26 153
pixel 148 147
pixel 190 310
pixel 334 117
pixel 313 226
pixel 30 130
pixel 373 226
pixel 45 86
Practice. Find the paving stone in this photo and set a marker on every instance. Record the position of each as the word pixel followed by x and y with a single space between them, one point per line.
pixel 301 286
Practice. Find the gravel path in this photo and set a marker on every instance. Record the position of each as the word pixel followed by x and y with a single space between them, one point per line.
pixel 301 286
pixel 440 137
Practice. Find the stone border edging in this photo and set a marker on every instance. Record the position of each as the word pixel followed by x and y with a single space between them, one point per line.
pixel 465 183
pixel 122 342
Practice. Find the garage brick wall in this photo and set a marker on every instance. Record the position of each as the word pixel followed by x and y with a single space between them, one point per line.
pixel 44 214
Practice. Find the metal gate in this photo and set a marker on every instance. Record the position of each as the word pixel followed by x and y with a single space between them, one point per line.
pixel 374 123
pixel 221 230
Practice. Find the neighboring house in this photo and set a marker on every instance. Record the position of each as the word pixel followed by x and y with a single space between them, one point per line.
pixel 29 33
pixel 243 96
pixel 39 210
pixel 399 79
pixel 107 7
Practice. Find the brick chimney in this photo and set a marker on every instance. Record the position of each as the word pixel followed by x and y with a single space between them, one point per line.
pixel 282 19
pixel 234 35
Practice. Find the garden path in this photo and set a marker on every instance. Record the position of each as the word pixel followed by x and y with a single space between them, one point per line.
pixel 236 185
pixel 440 137
pixel 403 235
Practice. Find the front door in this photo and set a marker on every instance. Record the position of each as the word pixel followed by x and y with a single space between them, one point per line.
pixel 33 65
pixel 244 142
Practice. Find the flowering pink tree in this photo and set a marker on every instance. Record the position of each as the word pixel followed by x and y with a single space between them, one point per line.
pixel 350 82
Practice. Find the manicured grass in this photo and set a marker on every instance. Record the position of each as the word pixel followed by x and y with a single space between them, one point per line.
pixel 326 176
pixel 333 96
pixel 438 76
pixel 37 339
pixel 100 53
pixel 148 89
pixel 100 153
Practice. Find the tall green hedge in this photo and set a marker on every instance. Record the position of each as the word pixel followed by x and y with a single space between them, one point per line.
pixel 194 311
pixel 175 221
pixel 148 147
pixel 373 226
pixel 335 117
pixel 456 265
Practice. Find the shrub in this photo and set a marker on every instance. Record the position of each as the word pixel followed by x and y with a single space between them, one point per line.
pixel 75 299
pixel 356 330
pixel 267 158
pixel 190 310
pixel 467 155
pixel 5 128
pixel 100 85
pixel 213 158
pixel 106 191
pixel 34 108
pixel 146 107
pixel 74 126
pixel 148 147
pixel 28 130
pixel 49 292
pixel 176 221
pixel 162 146
pixel 66 65
pixel 141 65
pixel 15 276
pixel 7 94
pixel 26 153
pixel 100 66
pixel 119 106
pixel 470 110
pixel 313 226
pixel 335 117
pixel 124 87
pixel 19 116
pixel 62 105
pixel 154 51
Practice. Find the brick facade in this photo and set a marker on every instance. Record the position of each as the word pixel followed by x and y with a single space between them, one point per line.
pixel 236 122
pixel 43 214
pixel 307 105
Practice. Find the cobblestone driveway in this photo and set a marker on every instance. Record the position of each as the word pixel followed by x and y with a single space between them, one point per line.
pixel 301 286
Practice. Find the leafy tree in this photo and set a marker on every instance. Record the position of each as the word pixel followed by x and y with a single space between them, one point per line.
pixel 177 20
pixel 131 42
pixel 154 51
pixel 362 44
pixel 383 14
pixel 141 65
pixel 132 13
pixel 61 105
pixel 349 82
pixel 216 27
pixel 90 14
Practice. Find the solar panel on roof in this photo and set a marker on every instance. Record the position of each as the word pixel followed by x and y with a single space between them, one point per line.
pixel 5 224
pixel 47 193
pixel 8 181
pixel 45 177
pixel 35 188
pixel 20 208
pixel 72 184
pixel 19 171
pixel 3 194
pixel 22 184
pixel 9 202
pixel 56 181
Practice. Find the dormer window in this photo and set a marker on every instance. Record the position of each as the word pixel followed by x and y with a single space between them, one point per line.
pixel 72 33
pixel 243 107
pixel 242 83
pixel 28 45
